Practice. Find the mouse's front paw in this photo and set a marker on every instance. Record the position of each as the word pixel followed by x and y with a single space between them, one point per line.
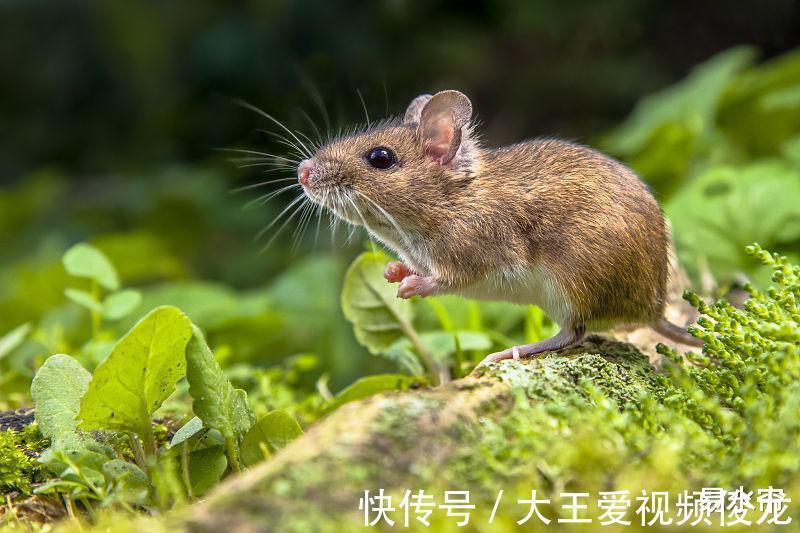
pixel 396 271
pixel 414 285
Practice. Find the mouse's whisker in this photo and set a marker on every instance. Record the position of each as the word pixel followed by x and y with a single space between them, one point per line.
pixel 263 199
pixel 363 221
pixel 386 98
pixel 295 149
pixel 278 136
pixel 364 105
pixel 332 206
pixel 317 133
pixel 265 155
pixel 243 162
pixel 292 205
pixel 319 102
pixel 273 166
pixel 403 234
pixel 261 184
pixel 277 122
pixel 314 146
pixel 319 210
pixel 281 228
pixel 305 217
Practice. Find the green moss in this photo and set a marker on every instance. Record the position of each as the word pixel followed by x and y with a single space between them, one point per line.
pixel 620 374
pixel 18 466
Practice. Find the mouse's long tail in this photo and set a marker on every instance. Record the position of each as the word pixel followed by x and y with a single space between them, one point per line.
pixel 676 333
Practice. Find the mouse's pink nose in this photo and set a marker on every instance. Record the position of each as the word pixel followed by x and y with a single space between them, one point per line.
pixel 304 171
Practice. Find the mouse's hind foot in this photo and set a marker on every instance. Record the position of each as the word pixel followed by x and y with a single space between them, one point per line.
pixel 567 337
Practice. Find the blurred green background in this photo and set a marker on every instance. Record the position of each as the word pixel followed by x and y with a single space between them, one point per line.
pixel 111 114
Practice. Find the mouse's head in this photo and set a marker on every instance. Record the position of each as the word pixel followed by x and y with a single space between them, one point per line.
pixel 388 174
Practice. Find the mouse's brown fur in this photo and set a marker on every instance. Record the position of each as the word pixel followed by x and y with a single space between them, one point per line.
pixel 544 220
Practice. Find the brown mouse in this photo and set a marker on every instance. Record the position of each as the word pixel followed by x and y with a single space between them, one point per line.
pixel 545 222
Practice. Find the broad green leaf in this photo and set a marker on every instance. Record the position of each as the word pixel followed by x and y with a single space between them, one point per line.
pixel 371 385
pixel 57 390
pixel 206 468
pixel 370 303
pixel 119 304
pixel 85 261
pixel 189 430
pixel 84 299
pixel 140 373
pixel 670 130
pixel 760 110
pixel 727 207
pixel 11 340
pixel 693 102
pixel 274 430
pixel 215 401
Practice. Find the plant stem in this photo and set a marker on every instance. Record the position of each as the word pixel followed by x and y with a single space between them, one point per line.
pixel 71 513
pixel 187 481
pixel 138 451
pixel 149 444
pixel 458 358
pixel 232 449
pixel 439 375
pixel 96 317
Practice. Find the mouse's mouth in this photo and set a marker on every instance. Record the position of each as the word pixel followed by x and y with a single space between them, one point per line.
pixel 350 205
pixel 338 201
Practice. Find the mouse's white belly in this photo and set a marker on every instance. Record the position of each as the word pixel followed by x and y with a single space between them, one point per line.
pixel 524 286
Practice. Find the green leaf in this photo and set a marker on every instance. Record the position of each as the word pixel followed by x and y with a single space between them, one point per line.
pixel 206 467
pixel 274 430
pixel 728 207
pixel 441 345
pixel 119 304
pixel 371 385
pixel 370 303
pixel 85 261
pixel 139 374
pixel 402 352
pixel 57 390
pixel 11 340
pixel 669 130
pixel 215 401
pixel 131 483
pixel 692 101
pixel 77 458
pixel 189 430
pixel 84 299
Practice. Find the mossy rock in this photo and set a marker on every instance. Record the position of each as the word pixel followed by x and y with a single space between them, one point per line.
pixel 482 433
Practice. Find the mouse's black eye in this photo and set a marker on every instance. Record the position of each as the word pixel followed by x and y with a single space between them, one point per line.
pixel 381 158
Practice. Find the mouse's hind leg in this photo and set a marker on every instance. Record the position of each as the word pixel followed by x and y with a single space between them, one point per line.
pixel 568 336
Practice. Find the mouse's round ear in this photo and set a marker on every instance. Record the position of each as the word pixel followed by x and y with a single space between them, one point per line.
pixel 440 124
pixel 414 109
